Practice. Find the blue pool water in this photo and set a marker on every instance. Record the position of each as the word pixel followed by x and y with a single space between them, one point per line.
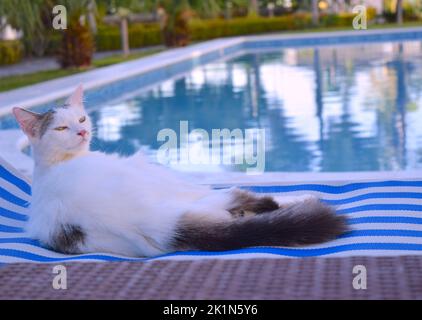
pixel 354 107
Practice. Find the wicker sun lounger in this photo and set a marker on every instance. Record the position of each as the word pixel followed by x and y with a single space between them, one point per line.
pixel 386 241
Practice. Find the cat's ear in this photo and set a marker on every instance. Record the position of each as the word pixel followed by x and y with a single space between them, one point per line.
pixel 77 97
pixel 28 121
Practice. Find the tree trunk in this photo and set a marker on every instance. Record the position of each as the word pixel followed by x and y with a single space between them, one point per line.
pixel 227 10
pixel 315 13
pixel 399 11
pixel 91 16
pixel 253 7
pixel 124 36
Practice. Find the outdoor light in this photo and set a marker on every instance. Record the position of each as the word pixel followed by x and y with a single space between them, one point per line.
pixel 322 5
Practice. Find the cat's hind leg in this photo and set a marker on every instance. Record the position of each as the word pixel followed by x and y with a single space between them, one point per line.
pixel 232 203
pixel 245 203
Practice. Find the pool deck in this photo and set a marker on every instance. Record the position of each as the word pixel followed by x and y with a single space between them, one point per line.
pixel 12 141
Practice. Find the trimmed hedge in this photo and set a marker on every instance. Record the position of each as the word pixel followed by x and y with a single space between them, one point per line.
pixel 344 19
pixel 108 37
pixel 10 52
pixel 210 29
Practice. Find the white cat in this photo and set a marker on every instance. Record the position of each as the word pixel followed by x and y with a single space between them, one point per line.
pixel 86 201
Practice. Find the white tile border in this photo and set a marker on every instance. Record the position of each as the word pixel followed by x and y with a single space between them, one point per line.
pixel 275 178
pixel 47 91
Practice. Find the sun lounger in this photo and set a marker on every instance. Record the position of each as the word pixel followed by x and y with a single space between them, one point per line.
pixel 386 234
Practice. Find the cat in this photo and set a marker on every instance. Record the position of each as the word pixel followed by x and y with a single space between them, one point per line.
pixel 84 201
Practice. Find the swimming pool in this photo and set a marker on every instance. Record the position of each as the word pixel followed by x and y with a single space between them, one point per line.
pixel 349 107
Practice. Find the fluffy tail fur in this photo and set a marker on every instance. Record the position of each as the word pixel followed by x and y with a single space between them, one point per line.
pixel 306 222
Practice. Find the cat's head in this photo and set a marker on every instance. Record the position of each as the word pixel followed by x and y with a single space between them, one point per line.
pixel 58 134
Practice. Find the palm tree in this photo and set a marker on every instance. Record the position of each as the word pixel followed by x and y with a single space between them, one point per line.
pixel 33 19
pixel 77 43
pixel 175 15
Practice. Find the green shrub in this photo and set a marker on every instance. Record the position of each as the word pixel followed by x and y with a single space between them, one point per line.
pixel 10 52
pixel 108 37
pixel 143 35
pixel 371 13
pixel 345 19
pixel 210 29
pixel 410 14
pixel 140 35
pixel 337 20
pixel 54 43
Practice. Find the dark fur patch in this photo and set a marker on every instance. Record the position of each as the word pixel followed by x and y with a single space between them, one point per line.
pixel 45 121
pixel 248 202
pixel 68 238
pixel 307 222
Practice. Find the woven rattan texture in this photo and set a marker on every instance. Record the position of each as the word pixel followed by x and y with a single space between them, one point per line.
pixel 313 278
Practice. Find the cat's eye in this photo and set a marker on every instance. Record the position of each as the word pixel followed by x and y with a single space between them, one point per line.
pixel 82 119
pixel 61 128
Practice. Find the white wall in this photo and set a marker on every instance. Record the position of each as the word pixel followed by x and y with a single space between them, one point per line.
pixel 9 33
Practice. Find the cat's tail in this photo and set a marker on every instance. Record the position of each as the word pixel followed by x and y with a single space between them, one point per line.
pixel 302 223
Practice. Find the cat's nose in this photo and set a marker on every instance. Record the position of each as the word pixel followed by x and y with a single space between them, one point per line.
pixel 82 133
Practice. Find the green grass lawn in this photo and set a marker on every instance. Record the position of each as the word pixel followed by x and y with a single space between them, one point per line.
pixel 17 81
pixel 104 62
pixel 13 82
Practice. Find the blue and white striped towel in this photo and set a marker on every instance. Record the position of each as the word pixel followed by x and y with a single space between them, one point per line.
pixel 385 217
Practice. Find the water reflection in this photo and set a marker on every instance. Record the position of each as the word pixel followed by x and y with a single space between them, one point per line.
pixel 344 108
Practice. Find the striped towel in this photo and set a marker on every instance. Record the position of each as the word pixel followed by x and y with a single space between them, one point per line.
pixel 385 218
